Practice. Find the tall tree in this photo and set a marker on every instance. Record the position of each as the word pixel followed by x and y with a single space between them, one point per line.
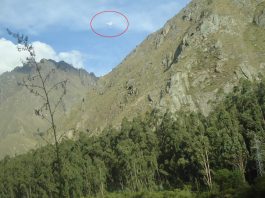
pixel 201 145
pixel 37 84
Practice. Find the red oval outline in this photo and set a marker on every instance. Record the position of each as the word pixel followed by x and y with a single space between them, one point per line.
pixel 111 36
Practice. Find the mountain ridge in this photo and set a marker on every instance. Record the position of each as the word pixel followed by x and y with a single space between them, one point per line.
pixel 189 64
pixel 18 124
pixel 200 53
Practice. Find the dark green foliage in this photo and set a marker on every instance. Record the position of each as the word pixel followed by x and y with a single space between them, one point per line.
pixel 259 187
pixel 164 194
pixel 221 155
pixel 228 179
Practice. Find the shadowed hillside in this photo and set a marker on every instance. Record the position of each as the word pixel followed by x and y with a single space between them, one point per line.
pixel 19 126
pixel 188 65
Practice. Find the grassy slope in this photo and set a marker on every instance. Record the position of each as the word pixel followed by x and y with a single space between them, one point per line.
pixel 110 102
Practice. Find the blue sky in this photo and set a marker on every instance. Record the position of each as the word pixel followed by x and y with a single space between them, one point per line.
pixel 61 30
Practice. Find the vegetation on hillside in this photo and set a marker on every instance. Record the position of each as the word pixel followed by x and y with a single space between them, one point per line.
pixel 221 155
pixel 37 84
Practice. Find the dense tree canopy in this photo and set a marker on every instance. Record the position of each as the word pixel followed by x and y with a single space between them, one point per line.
pixel 219 155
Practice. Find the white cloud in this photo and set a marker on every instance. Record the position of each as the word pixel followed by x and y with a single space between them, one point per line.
pixel 11 58
pixel 34 16
pixel 43 50
pixel 52 18
pixel 74 57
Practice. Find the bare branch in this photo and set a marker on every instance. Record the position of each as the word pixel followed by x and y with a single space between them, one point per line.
pixel 38 112
pixel 25 46
pixel 41 134
pixel 58 102
pixel 48 75
pixel 34 77
pixel 40 95
pixel 55 86
pixel 61 136
pixel 31 85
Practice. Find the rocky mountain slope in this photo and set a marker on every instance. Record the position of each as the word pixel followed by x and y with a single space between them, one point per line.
pixel 189 64
pixel 197 56
pixel 18 124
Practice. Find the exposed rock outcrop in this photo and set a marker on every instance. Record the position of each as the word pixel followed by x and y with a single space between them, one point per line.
pixel 259 17
pixel 189 64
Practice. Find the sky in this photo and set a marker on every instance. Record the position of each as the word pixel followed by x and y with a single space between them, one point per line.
pixel 60 29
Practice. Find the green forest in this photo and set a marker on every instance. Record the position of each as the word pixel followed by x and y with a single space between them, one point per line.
pixel 156 156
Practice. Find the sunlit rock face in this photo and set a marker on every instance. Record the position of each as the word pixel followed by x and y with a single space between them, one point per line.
pixel 188 65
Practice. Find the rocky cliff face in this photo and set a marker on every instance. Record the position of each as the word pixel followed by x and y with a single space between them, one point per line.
pixel 215 52
pixel 189 64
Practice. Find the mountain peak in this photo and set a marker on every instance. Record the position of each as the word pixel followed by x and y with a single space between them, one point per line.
pixel 188 65
pixel 60 65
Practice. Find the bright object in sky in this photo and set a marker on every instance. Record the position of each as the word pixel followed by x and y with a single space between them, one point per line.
pixel 110 23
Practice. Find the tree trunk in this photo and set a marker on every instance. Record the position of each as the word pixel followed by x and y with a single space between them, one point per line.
pixel 207 170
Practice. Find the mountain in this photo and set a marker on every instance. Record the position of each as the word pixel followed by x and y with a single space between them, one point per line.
pixel 189 64
pixel 19 124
